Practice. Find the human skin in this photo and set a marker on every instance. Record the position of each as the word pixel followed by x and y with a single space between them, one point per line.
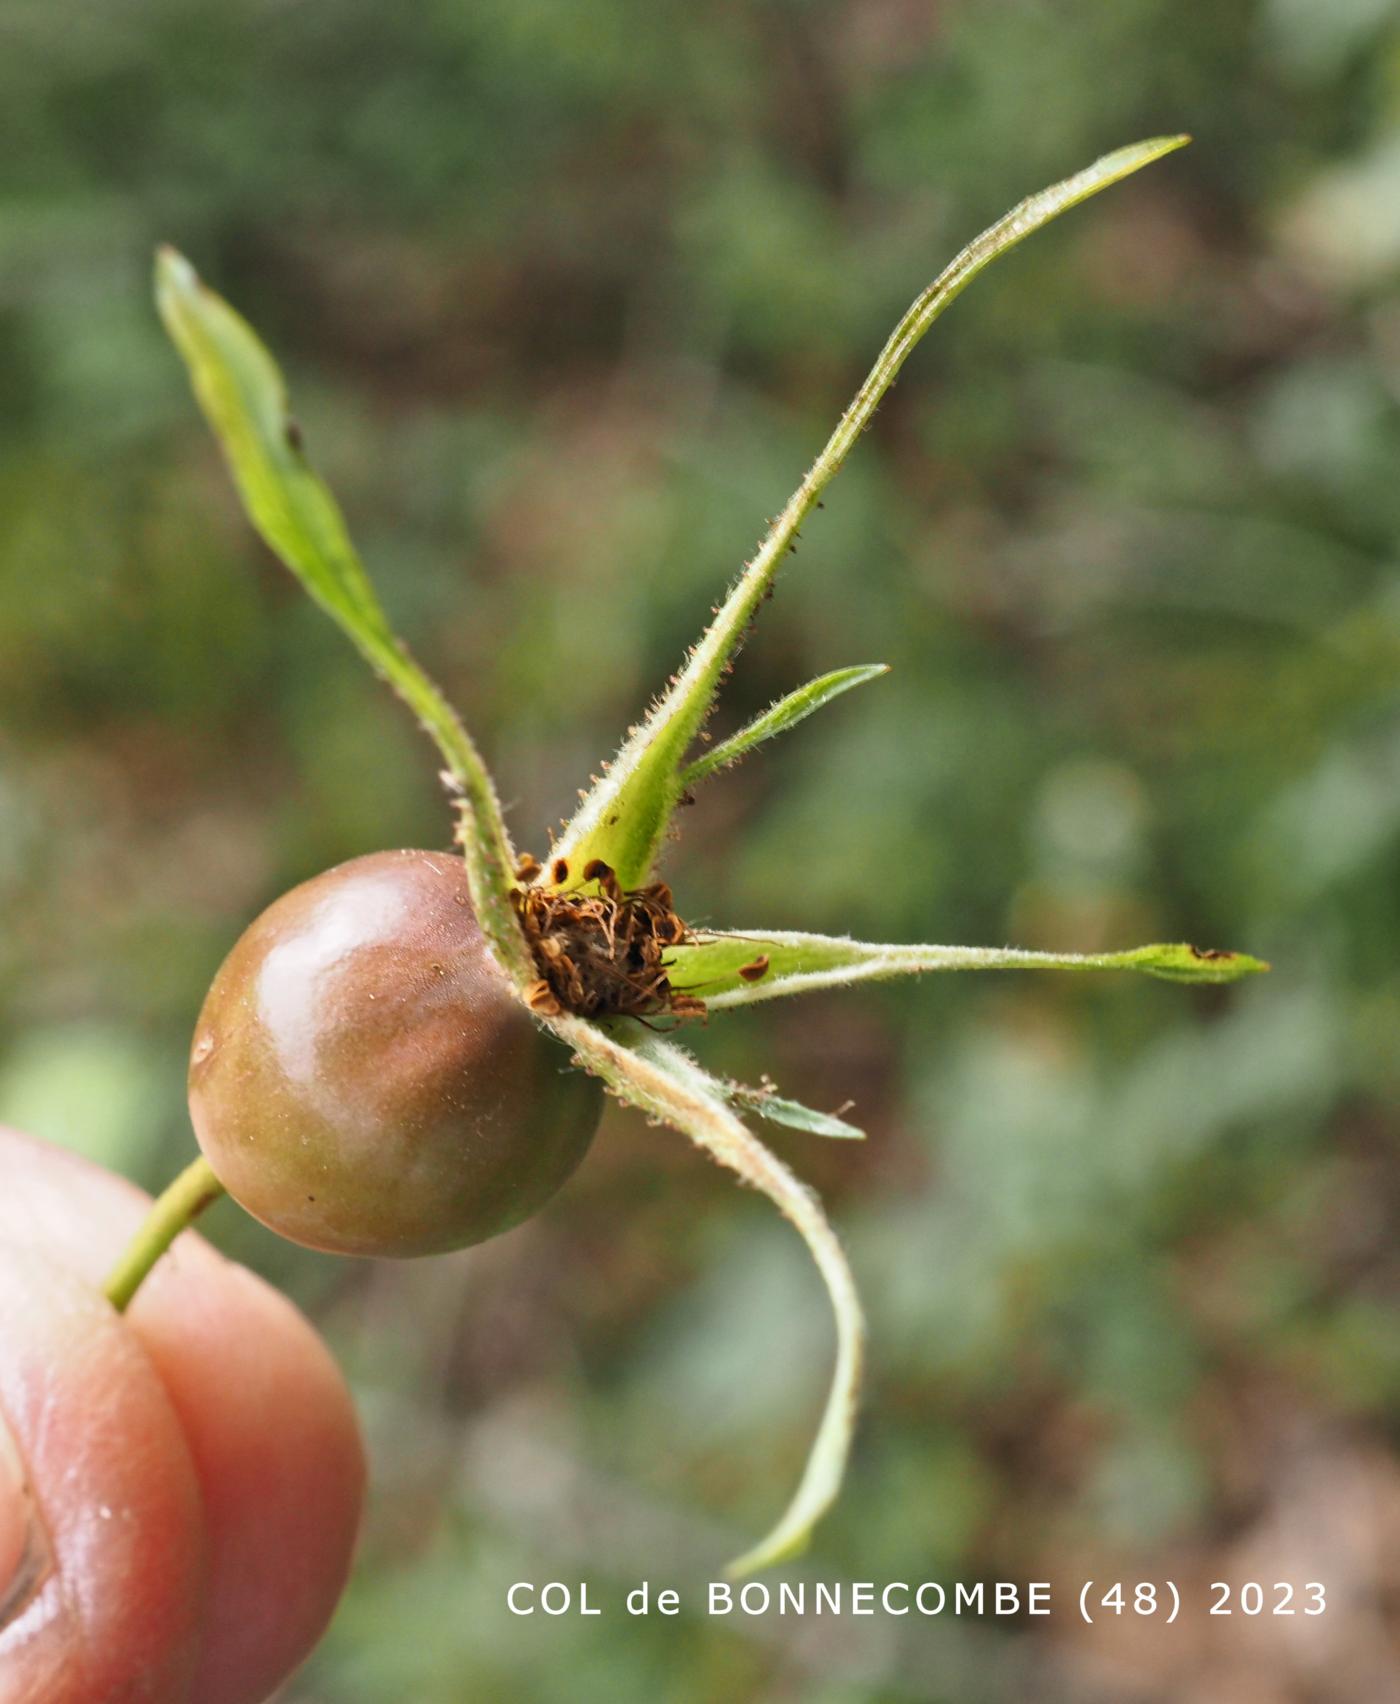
pixel 188 1476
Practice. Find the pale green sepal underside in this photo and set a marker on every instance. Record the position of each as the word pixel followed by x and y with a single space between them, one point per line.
pixel 665 1082
pixel 778 1109
pixel 244 399
pixel 799 964
pixel 778 718
pixel 623 819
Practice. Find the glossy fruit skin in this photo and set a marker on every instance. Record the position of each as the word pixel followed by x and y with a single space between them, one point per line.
pixel 364 1080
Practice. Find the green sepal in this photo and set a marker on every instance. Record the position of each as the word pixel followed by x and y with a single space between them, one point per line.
pixel 778 1109
pixel 244 399
pixel 663 1081
pixel 243 396
pixel 798 963
pixel 622 820
pixel 778 718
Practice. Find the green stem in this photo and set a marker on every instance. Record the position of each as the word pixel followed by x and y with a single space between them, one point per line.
pixel 180 1205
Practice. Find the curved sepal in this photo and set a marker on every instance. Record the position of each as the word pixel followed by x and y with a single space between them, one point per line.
pixel 666 1083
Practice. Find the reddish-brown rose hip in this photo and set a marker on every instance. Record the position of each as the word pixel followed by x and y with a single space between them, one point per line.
pixel 363 1079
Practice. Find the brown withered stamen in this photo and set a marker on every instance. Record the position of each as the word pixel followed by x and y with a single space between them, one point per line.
pixel 539 996
pixel 601 954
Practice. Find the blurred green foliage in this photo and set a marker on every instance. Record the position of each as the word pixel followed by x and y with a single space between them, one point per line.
pixel 570 295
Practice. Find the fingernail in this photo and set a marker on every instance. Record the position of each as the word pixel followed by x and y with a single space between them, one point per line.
pixel 24 1553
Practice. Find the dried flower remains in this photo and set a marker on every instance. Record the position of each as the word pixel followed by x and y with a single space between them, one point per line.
pixel 600 950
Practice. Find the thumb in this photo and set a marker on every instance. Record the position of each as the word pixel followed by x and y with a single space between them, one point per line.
pixel 101 1550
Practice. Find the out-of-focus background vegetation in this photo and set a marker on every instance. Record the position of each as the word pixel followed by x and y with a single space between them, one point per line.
pixel 569 294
